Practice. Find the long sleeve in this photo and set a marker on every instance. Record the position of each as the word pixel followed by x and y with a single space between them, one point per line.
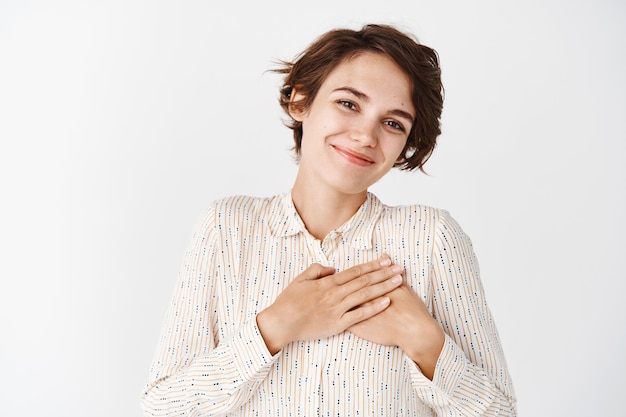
pixel 212 360
pixel 194 373
pixel 471 376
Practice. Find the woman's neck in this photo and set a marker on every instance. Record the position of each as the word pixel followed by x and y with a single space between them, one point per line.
pixel 323 209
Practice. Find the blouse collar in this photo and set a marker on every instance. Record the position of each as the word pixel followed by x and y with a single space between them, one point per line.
pixel 357 231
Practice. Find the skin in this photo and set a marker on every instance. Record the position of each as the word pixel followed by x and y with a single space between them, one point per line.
pixel 353 134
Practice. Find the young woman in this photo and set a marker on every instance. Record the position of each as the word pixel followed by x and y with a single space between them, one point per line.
pixel 324 301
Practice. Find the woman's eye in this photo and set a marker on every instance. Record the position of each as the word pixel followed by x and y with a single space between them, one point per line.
pixel 345 103
pixel 395 125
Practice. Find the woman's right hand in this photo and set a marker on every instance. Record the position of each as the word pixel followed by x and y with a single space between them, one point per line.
pixel 319 302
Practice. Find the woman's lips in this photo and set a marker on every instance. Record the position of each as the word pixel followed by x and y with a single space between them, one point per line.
pixel 353 156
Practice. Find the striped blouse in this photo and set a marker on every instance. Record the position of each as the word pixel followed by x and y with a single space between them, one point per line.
pixel 245 250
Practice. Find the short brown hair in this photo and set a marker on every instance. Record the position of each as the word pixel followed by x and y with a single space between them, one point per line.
pixel 311 67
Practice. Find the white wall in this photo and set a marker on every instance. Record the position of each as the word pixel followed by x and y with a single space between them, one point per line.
pixel 121 120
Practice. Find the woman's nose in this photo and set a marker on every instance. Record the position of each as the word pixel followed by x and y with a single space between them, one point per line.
pixel 365 132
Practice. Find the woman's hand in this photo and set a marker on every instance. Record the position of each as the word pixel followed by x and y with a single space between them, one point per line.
pixel 408 324
pixel 320 303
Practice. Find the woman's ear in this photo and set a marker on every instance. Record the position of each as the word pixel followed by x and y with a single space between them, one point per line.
pixel 406 153
pixel 296 109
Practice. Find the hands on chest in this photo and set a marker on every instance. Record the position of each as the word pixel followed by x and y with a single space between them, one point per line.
pixel 370 300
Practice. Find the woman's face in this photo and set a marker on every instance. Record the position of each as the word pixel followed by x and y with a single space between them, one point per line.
pixel 357 125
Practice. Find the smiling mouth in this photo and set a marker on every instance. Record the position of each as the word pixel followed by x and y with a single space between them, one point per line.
pixel 354 157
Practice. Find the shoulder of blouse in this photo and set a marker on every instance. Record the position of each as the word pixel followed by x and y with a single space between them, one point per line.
pixel 434 216
pixel 243 211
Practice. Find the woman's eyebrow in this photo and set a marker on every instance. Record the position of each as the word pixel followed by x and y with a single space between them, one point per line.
pixel 396 112
pixel 403 114
pixel 355 92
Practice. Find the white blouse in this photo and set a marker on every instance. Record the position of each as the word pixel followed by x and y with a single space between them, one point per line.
pixel 212 359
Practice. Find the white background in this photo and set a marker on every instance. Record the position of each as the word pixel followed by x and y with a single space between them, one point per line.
pixel 121 120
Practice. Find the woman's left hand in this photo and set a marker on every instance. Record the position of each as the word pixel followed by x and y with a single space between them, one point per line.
pixel 408 324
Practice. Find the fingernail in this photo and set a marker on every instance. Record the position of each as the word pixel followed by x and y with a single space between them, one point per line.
pixel 397 279
pixel 385 301
pixel 397 269
pixel 385 261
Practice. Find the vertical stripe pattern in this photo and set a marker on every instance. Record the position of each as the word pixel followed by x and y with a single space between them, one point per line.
pixel 212 359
